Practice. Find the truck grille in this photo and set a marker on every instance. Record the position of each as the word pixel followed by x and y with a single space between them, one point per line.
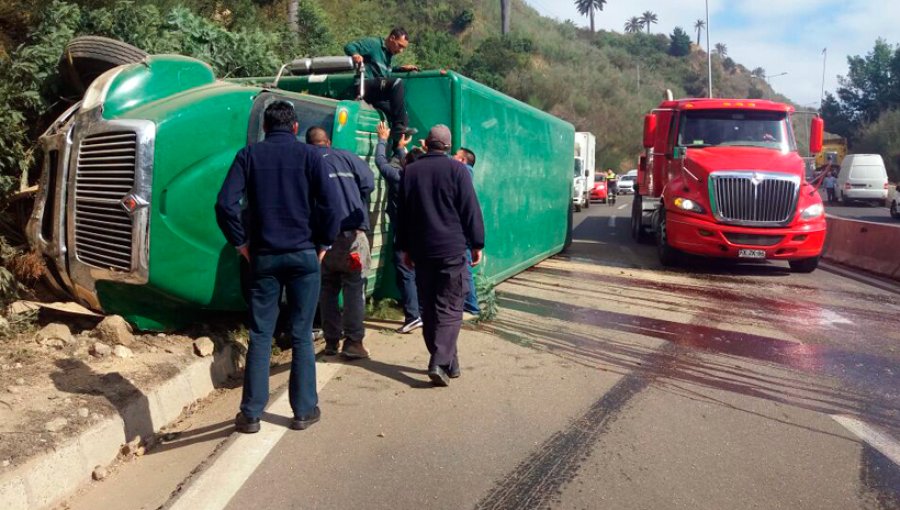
pixel 754 199
pixel 104 175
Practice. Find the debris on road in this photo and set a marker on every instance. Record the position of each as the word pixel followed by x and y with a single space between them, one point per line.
pixel 204 346
pixel 56 424
pixel 115 330
pixel 55 335
pixel 100 349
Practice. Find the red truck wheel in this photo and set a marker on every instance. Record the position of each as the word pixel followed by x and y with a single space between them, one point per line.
pixel 668 256
pixel 804 265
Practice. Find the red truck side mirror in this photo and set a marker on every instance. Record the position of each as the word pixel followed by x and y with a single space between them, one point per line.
pixel 649 130
pixel 816 135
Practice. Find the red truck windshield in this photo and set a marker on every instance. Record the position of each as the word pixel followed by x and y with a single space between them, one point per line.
pixel 720 128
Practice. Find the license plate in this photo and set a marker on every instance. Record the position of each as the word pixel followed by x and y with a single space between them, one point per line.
pixel 752 254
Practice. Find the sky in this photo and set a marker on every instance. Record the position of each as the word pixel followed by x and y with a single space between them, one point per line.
pixel 781 36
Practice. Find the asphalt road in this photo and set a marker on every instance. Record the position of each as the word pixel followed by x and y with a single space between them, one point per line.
pixel 605 382
pixel 862 211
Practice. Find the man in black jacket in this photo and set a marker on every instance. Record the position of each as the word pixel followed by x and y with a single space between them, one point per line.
pixel 439 217
pixel 345 265
pixel 285 185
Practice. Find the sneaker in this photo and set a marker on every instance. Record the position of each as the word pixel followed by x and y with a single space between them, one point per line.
pixel 354 350
pixel 246 425
pixel 304 422
pixel 410 326
pixel 331 348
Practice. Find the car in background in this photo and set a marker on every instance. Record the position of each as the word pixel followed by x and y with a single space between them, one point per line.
pixel 626 184
pixel 862 178
pixel 600 191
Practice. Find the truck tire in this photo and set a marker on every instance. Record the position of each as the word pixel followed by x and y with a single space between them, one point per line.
pixel 570 225
pixel 587 201
pixel 87 57
pixel 668 256
pixel 804 265
pixel 637 227
pixel 577 208
pixel 895 210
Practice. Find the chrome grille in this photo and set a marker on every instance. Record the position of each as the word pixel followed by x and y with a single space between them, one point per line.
pixel 104 175
pixel 755 199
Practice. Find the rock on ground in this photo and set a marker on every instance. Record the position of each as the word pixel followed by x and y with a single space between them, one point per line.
pixel 83 412
pixel 204 346
pixel 100 349
pixel 56 424
pixel 115 330
pixel 100 473
pixel 120 351
pixel 55 335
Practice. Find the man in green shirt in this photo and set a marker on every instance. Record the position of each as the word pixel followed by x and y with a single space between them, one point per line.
pixel 381 90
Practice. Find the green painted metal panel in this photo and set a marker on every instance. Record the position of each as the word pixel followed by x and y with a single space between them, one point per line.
pixel 523 175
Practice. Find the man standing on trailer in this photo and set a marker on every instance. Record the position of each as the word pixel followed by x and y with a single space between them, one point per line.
pixel 439 218
pixel 381 89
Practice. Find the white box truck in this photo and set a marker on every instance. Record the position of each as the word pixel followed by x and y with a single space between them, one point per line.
pixel 585 146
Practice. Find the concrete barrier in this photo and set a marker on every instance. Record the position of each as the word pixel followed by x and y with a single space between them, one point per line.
pixel 872 247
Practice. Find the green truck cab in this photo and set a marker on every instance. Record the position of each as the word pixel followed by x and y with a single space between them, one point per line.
pixel 125 219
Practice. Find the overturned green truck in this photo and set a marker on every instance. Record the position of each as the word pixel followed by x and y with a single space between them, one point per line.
pixel 124 214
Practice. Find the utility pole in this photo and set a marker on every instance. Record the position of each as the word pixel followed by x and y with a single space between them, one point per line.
pixel 824 58
pixel 292 16
pixel 708 53
pixel 504 15
pixel 639 76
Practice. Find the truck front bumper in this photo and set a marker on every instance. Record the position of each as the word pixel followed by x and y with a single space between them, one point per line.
pixel 699 236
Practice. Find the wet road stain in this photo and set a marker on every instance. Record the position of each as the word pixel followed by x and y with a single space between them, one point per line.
pixel 803 311
pixel 872 382
pixel 538 480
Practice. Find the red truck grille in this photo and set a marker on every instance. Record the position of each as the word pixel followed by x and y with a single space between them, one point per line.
pixel 754 198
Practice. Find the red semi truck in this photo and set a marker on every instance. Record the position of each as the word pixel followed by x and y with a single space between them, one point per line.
pixel 723 178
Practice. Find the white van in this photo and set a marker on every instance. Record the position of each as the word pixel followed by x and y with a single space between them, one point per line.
pixel 863 177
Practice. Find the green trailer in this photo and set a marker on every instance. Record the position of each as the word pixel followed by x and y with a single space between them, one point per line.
pixel 124 214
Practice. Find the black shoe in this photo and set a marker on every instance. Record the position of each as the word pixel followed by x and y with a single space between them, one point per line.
pixel 454 371
pixel 439 376
pixel 246 425
pixel 304 422
pixel 331 348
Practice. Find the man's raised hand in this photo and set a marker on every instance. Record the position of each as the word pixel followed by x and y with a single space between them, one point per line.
pixel 384 132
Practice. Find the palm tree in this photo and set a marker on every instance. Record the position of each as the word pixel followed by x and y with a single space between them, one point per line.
pixel 721 50
pixel 504 16
pixel 587 8
pixel 634 25
pixel 649 18
pixel 699 25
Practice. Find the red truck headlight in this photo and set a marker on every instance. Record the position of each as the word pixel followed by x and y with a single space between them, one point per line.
pixel 686 204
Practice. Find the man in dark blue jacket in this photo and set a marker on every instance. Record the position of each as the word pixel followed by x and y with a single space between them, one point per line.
pixel 345 265
pixel 284 185
pixel 439 218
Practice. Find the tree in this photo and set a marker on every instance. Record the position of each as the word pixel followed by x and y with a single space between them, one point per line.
pixel 504 16
pixel 721 50
pixel 681 43
pixel 293 8
pixel 314 36
pixel 634 25
pixel 759 72
pixel 649 18
pixel 699 25
pixel 587 8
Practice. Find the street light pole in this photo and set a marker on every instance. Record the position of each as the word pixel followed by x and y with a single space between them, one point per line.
pixel 824 58
pixel 708 53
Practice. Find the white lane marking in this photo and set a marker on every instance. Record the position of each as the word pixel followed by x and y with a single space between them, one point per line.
pixel 875 438
pixel 623 206
pixel 830 318
pixel 215 486
pixel 612 222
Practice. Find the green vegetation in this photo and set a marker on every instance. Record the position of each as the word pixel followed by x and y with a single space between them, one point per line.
pixel 866 107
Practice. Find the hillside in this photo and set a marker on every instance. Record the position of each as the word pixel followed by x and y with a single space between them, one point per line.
pixel 601 82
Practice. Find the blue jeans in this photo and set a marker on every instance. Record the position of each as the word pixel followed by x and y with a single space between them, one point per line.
pixel 471 303
pixel 406 283
pixel 298 273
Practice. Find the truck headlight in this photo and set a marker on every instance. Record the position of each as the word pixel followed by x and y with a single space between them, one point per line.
pixel 686 204
pixel 812 212
pixel 95 95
